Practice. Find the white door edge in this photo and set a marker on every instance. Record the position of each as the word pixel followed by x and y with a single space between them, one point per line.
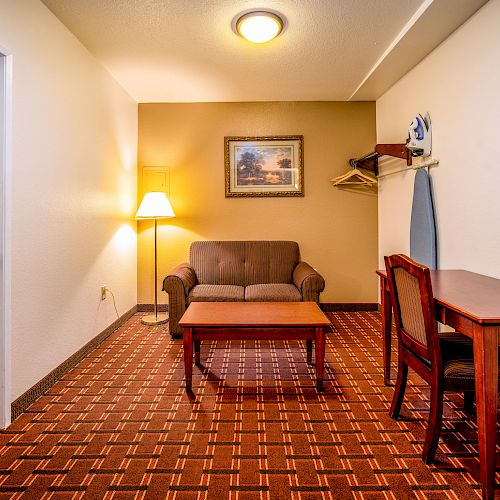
pixel 5 236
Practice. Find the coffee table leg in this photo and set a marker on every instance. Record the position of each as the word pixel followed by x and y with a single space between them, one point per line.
pixel 197 346
pixel 188 357
pixel 320 358
pixel 309 348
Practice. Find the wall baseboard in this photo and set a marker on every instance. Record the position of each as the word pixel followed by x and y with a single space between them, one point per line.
pixel 31 395
pixel 150 307
pixel 325 306
pixel 348 306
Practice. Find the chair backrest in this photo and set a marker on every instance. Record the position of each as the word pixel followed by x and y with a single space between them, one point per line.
pixel 413 305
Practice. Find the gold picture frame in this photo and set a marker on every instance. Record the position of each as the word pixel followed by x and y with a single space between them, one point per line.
pixel 264 166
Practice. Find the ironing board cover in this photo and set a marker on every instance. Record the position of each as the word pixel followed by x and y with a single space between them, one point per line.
pixel 423 228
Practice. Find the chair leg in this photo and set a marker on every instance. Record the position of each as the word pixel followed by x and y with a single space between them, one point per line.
pixel 469 398
pixel 399 390
pixel 434 425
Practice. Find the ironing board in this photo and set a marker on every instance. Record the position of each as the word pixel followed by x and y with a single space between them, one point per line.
pixel 423 228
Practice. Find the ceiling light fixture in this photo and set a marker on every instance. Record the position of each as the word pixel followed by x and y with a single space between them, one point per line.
pixel 259 26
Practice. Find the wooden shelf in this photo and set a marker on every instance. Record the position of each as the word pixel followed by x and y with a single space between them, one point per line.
pixel 370 161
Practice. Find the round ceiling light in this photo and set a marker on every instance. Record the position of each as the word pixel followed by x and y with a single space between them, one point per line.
pixel 259 26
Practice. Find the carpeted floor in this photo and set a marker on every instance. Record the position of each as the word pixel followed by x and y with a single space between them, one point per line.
pixel 121 426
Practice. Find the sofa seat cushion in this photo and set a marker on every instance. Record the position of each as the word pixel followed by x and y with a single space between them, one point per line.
pixel 272 292
pixel 217 293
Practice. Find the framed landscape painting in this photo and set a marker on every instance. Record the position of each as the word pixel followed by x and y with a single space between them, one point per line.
pixel 264 166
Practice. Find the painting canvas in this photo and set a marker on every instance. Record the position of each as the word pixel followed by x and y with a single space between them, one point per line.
pixel 264 166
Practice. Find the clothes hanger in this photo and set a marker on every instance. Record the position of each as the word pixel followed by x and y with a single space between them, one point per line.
pixel 354 178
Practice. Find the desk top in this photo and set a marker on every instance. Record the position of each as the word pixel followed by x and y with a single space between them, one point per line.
pixel 253 314
pixel 472 295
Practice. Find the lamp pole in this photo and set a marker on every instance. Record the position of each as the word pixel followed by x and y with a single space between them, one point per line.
pixel 156 274
pixel 155 318
pixel 155 205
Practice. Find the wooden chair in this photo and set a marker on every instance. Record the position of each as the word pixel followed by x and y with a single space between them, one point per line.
pixel 445 361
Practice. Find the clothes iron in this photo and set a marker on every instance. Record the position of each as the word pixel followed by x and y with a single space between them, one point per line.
pixel 420 135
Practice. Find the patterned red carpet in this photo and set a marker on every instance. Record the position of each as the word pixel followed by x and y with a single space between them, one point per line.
pixel 121 426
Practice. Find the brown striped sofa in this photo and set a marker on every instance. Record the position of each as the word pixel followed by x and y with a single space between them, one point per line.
pixel 236 271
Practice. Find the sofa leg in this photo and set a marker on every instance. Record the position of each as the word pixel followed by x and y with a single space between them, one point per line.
pixel 197 345
pixel 309 348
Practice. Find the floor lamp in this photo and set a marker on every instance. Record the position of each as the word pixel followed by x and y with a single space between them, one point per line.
pixel 155 205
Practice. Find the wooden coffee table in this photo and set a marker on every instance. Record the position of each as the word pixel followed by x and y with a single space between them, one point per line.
pixel 254 321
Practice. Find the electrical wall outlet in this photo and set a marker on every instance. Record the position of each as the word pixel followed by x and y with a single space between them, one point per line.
pixel 103 293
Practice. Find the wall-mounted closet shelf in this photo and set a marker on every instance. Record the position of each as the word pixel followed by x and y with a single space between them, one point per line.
pixel 425 164
pixel 370 161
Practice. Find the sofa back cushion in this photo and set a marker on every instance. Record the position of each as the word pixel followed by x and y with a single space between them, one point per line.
pixel 270 261
pixel 218 262
pixel 244 262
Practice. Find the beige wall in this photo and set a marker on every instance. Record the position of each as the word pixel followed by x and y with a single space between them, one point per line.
pixel 71 193
pixel 336 230
pixel 458 84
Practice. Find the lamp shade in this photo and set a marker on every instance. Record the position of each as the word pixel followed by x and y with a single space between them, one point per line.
pixel 155 205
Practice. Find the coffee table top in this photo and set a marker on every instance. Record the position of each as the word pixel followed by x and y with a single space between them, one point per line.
pixel 253 314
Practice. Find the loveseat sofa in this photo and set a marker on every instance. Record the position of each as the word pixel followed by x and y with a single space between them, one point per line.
pixel 237 271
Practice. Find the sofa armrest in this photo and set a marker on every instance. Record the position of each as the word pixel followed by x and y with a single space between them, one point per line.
pixel 182 276
pixel 308 281
pixel 178 285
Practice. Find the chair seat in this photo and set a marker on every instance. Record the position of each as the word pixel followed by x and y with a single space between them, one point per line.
pixel 460 368
pixel 217 293
pixel 272 292
pixel 458 357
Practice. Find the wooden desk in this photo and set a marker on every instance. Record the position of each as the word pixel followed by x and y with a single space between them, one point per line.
pixel 254 321
pixel 470 303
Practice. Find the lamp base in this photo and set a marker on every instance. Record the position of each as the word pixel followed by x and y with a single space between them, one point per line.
pixel 152 319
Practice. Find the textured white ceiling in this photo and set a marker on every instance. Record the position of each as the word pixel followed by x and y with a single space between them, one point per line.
pixel 186 51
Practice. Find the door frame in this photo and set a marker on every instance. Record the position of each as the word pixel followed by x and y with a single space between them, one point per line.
pixel 5 237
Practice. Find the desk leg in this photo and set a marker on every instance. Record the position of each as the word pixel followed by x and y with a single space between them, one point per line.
pixel 188 357
pixel 486 373
pixel 385 298
pixel 320 357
